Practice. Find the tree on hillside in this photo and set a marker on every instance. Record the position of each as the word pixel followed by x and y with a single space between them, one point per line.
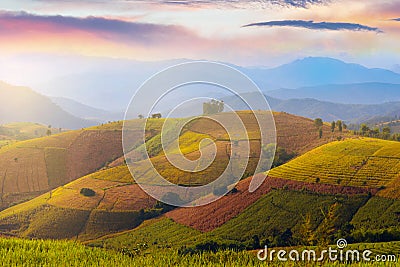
pixel 48 132
pixel 281 157
pixel 320 132
pixel 156 116
pixel 386 132
pixel 213 107
pixel 333 126
pixel 318 122
pixel 307 231
pixel 339 125
pixel 327 227
pixel 374 132
pixel 364 129
pixel 140 116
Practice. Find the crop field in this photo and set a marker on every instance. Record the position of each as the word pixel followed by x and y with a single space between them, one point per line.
pixel 6 142
pixel 283 209
pixel 20 131
pixel 66 213
pixel 32 167
pixel 209 217
pixel 157 234
pixel 278 209
pixel 16 252
pixel 115 199
pixel 23 171
pixel 378 213
pixel 354 162
pixel 293 135
pixel 119 216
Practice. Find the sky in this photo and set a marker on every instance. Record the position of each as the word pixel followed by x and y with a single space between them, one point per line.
pixel 248 33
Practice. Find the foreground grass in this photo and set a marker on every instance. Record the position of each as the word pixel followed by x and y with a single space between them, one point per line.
pixel 18 252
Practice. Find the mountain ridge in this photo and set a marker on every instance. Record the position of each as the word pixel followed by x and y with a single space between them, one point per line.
pixel 22 104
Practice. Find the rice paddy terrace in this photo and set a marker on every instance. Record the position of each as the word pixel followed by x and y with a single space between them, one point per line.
pixel 30 168
pixel 118 203
pixel 363 162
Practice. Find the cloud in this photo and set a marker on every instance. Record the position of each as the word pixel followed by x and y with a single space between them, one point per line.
pixel 20 22
pixel 398 19
pixel 239 3
pixel 334 26
pixel 224 3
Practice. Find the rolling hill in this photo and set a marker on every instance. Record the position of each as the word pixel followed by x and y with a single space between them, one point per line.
pixel 114 202
pixel 30 168
pixel 335 189
pixel 310 210
pixel 36 108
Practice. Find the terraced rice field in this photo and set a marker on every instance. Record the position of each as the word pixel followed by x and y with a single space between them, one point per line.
pixel 66 213
pixel 353 162
pixel 32 167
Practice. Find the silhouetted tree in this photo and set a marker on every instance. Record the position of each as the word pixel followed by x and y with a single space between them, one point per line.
pixel 364 129
pixel 386 132
pixel 213 107
pixel 318 122
pixel 156 116
pixel 339 125
pixel 333 126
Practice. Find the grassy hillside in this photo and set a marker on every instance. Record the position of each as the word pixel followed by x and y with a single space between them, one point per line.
pixel 353 162
pixel 30 168
pixel 21 131
pixel 280 218
pixel 59 159
pixel 295 135
pixel 66 212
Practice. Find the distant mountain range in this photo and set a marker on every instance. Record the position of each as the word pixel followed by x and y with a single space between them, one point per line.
pixel 396 68
pixel 67 113
pixel 359 93
pixel 86 112
pixel 317 71
pixel 109 84
pixel 21 104
pixel 101 90
pixel 328 111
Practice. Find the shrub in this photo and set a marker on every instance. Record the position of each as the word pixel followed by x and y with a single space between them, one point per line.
pixel 87 192
pixel 233 191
